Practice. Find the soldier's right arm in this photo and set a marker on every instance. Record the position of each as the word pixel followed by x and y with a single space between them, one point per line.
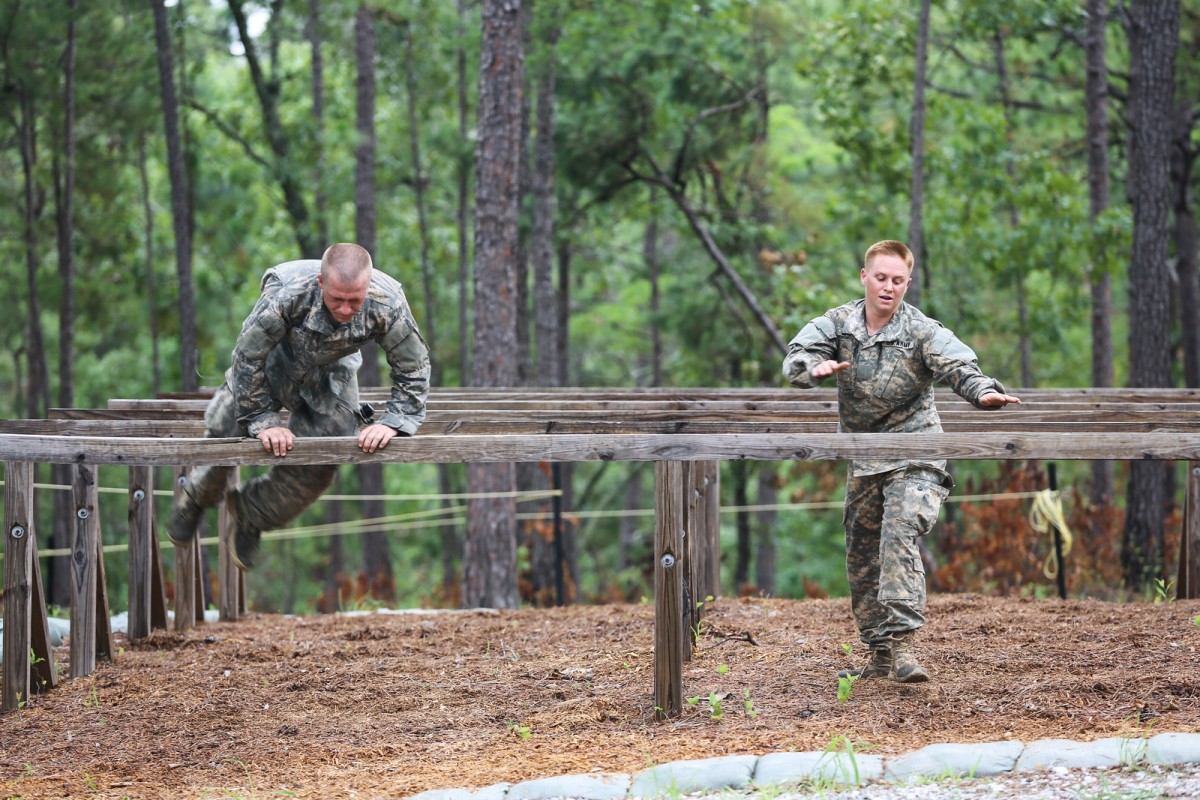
pixel 814 344
pixel 263 329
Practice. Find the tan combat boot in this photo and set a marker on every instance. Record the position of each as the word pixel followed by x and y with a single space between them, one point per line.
pixel 905 668
pixel 880 666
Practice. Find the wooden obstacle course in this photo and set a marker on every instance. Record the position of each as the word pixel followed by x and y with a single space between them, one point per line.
pixel 686 432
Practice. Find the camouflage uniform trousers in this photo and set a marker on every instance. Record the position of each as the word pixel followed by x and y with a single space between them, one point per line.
pixel 275 498
pixel 884 516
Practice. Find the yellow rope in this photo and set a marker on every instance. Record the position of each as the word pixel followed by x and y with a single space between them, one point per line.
pixel 1045 515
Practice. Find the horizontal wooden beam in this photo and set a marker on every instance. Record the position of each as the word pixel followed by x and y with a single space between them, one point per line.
pixel 609 447
pixel 519 425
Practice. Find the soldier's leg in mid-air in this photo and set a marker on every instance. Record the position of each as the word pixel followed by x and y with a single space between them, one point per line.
pixel 277 497
pixel 205 484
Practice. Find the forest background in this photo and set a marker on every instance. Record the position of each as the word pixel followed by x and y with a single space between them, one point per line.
pixel 692 182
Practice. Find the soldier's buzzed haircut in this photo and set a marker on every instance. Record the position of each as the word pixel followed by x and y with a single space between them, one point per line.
pixel 888 247
pixel 345 262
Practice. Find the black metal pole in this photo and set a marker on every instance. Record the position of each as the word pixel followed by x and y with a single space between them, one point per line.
pixel 560 581
pixel 1052 475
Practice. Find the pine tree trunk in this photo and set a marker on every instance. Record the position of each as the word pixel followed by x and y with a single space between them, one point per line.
pixel 1098 194
pixel 1154 38
pixel 376 560
pixel 464 211
pixel 189 377
pixel 489 561
pixel 312 29
pixel 916 231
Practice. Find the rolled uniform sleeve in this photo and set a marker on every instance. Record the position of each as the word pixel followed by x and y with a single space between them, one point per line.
pixel 263 329
pixel 408 360
pixel 955 363
pixel 815 343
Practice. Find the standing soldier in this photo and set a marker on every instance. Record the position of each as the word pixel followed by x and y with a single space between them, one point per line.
pixel 887 355
pixel 299 350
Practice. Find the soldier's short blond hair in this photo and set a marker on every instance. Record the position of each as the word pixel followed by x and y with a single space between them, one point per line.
pixel 889 247
pixel 345 262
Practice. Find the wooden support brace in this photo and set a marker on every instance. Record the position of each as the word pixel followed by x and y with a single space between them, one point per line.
pixel 85 552
pixel 669 629
pixel 187 570
pixel 712 528
pixel 104 640
pixel 1187 587
pixel 44 674
pixel 141 551
pixel 158 589
pixel 228 575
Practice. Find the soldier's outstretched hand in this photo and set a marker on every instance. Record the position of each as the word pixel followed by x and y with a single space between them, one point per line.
pixel 997 400
pixel 827 368
pixel 375 437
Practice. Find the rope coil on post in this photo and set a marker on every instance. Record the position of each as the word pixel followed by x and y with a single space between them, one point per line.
pixel 1046 516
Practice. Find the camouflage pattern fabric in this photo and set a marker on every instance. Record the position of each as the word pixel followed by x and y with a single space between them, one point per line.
pixel 292 354
pixel 885 513
pixel 889 385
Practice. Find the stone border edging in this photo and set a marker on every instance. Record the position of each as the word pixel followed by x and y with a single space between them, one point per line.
pixel 841 767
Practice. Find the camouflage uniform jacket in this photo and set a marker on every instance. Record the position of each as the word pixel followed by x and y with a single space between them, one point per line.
pixel 888 387
pixel 292 350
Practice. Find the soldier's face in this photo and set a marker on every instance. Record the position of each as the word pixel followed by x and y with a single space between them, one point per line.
pixel 342 298
pixel 884 282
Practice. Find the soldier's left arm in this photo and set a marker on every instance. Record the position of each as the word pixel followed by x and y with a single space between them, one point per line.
pixel 408 361
pixel 954 362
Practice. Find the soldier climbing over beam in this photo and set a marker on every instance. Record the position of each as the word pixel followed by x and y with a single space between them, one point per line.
pixel 887 355
pixel 299 350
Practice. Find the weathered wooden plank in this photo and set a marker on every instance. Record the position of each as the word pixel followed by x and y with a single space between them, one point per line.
pixel 140 550
pixel 1100 422
pixel 638 447
pixel 711 583
pixel 158 588
pixel 668 590
pixel 19 535
pixel 103 624
pixel 85 549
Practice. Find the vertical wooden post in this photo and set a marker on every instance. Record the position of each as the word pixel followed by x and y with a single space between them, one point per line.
pixel 712 527
pixel 85 551
pixel 228 574
pixel 141 550
pixel 187 563
pixel 668 589
pixel 158 586
pixel 18 580
pixel 693 554
pixel 1187 587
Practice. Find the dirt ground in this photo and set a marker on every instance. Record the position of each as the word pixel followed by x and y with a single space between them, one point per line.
pixel 387 705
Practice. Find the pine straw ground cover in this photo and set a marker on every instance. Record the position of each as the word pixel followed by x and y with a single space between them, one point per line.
pixel 387 705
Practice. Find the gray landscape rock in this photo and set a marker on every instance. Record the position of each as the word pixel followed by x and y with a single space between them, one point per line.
pixel 1049 753
pixel 955 761
pixel 582 787
pixel 1174 748
pixel 777 769
pixel 702 775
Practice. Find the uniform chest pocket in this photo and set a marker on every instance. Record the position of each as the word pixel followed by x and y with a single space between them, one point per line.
pixel 894 371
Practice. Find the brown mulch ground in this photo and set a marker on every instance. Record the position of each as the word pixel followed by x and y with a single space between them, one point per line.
pixel 389 705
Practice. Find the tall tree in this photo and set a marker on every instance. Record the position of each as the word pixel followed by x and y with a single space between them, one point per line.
pixel 376 561
pixel 1096 103
pixel 312 29
pixel 463 204
pixel 268 88
pixel 189 378
pixel 1153 42
pixel 64 192
pixel 916 232
pixel 489 560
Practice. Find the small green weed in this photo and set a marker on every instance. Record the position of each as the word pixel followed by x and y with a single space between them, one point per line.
pixel 1164 591
pixel 522 731
pixel 845 687
pixel 721 670
pixel 748 704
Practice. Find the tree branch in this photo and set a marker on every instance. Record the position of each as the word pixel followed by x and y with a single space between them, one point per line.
pixel 228 130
